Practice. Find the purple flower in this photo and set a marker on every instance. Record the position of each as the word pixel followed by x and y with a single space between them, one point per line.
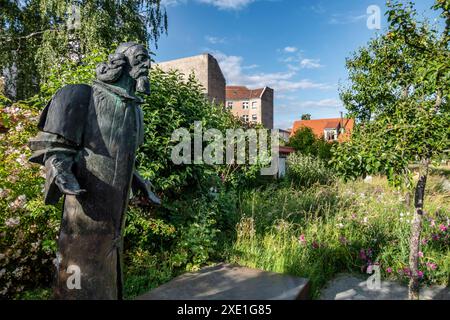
pixel 362 254
pixel 315 245
pixel 420 274
pixel 389 270
pixel 435 237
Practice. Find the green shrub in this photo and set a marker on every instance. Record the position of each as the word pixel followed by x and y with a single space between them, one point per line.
pixel 28 228
pixel 306 142
pixel 306 170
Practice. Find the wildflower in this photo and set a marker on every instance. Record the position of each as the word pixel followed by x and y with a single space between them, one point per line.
pixel 435 237
pixel 424 241
pixel 431 265
pixel 389 270
pixel 420 254
pixel 402 214
pixel 432 223
pixel 340 225
pixel 302 239
pixel 362 254
pixel 365 220
pixel 420 274
pixel 315 245
pixel 343 240
pixel 12 222
pixel 442 228
pixel 19 203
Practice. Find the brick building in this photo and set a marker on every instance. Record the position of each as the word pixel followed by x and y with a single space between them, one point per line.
pixel 252 105
pixel 207 71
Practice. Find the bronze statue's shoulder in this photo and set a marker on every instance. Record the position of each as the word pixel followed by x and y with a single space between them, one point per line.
pixel 66 112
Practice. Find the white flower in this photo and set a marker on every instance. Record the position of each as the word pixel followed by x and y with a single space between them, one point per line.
pixel 340 225
pixel 402 214
pixel 12 222
pixel 365 220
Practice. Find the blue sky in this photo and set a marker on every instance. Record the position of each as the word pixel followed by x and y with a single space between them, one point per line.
pixel 297 47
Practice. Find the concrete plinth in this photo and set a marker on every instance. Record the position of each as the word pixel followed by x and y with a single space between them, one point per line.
pixel 231 282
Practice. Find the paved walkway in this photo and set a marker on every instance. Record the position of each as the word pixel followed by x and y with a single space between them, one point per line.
pixel 350 287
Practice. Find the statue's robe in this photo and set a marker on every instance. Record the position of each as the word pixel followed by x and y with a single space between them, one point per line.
pixel 99 128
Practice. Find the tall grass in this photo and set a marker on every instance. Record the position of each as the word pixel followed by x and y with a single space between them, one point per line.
pixel 344 227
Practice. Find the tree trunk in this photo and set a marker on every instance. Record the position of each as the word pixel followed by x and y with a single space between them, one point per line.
pixel 416 229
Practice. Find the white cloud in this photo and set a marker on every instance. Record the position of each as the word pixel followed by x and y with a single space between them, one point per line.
pixel 310 63
pixel 228 4
pixel 171 3
pixel 232 67
pixel 215 40
pixel 290 49
pixel 324 103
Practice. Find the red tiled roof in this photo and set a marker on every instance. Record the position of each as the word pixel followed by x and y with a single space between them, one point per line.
pixel 319 125
pixel 286 150
pixel 242 93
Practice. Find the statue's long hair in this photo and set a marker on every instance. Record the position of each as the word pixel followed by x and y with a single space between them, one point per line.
pixel 111 71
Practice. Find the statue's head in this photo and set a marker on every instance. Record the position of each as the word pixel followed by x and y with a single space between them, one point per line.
pixel 130 58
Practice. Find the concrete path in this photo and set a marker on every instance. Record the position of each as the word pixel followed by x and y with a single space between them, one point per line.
pixel 350 287
pixel 231 282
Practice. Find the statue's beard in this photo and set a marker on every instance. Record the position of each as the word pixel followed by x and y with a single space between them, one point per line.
pixel 143 85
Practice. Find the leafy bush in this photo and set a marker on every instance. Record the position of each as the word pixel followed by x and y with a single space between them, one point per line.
pixel 180 235
pixel 306 142
pixel 306 170
pixel 28 228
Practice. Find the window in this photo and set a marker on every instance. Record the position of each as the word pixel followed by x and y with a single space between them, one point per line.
pixel 254 117
pixel 230 104
pixel 245 117
pixel 245 105
pixel 254 104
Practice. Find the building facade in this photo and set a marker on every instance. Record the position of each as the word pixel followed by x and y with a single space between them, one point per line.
pixel 251 105
pixel 207 72
pixel 333 129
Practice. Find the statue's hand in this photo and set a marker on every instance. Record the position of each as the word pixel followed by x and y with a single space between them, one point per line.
pixel 145 188
pixel 68 184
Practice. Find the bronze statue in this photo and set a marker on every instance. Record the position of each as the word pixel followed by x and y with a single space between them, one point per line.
pixel 87 142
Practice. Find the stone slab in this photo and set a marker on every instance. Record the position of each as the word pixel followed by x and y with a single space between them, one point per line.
pixel 231 282
pixel 350 287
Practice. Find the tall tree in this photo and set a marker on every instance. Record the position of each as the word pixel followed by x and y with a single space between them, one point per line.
pixel 38 34
pixel 399 91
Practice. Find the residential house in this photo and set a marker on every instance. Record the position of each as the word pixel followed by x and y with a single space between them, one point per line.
pixel 252 105
pixel 333 129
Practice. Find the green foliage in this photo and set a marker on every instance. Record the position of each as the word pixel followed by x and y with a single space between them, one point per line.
pixel 305 141
pixel 28 228
pixel 306 170
pixel 38 34
pixel 345 227
pixel 398 89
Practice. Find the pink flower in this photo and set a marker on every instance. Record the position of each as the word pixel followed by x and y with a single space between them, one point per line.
pixel 420 254
pixel 420 274
pixel 302 239
pixel 424 241
pixel 432 266
pixel 389 270
pixel 442 228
